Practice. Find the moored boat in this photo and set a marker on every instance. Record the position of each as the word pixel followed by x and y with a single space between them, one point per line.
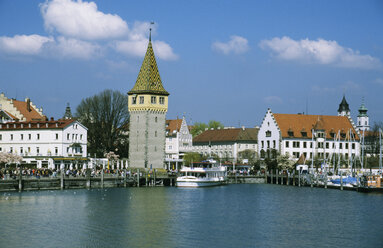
pixel 202 174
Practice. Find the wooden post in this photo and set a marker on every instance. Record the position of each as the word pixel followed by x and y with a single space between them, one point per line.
pixel 325 181
pixel 271 177
pixel 62 179
pixel 341 182
pixel 138 177
pixel 311 180
pixel 154 177
pixel 276 176
pixel 87 175
pixel 102 178
pixel 294 178
pixel 299 179
pixel 146 179
pixel 20 181
pixel 317 177
pixel 125 178
pixel 288 179
pixel 265 176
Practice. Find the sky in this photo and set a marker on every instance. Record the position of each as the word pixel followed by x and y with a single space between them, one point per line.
pixel 220 60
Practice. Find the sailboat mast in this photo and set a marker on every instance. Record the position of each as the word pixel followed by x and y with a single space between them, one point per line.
pixel 362 150
pixel 380 151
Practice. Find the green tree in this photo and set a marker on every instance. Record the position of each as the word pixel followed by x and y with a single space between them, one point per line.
pixel 200 127
pixel 191 157
pixel 285 162
pixel 105 115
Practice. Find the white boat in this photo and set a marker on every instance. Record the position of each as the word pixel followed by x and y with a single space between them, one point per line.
pixel 202 174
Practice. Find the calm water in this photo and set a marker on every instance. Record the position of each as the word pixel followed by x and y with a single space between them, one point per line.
pixel 252 215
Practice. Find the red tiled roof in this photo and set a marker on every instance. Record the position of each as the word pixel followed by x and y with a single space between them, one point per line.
pixel 224 135
pixel 36 124
pixel 173 125
pixel 31 115
pixel 298 124
pixel 11 115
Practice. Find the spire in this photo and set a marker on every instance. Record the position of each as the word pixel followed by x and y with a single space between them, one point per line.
pixel 362 109
pixel 343 106
pixel 68 112
pixel 149 80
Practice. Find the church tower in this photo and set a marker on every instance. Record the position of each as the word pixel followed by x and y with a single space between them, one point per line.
pixel 148 104
pixel 344 109
pixel 363 120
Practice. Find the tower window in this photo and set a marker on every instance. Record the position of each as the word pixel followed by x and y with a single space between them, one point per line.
pixel 162 100
pixel 141 100
pixel 155 119
pixel 155 133
pixel 134 100
pixel 153 99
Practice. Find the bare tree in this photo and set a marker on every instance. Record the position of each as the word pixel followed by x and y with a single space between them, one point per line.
pixel 105 115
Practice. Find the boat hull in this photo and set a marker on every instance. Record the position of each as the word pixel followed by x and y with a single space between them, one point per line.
pixel 199 183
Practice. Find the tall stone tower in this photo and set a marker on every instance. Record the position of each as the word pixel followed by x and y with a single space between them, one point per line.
pixel 363 120
pixel 344 109
pixel 148 104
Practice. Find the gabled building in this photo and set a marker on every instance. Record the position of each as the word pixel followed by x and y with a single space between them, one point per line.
pixel 321 136
pixel 178 141
pixel 22 110
pixel 227 142
pixel 148 104
pixel 46 143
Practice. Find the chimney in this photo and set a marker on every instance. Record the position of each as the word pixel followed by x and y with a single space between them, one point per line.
pixel 52 119
pixel 243 128
pixel 28 104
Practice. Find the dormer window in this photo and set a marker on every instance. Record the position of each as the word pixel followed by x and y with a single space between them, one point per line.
pixel 304 134
pixel 268 133
pixel 290 132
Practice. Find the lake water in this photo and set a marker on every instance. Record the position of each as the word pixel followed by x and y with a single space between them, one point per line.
pixel 246 215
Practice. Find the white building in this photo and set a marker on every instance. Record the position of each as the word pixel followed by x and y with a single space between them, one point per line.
pixel 227 142
pixel 321 136
pixel 46 143
pixel 178 142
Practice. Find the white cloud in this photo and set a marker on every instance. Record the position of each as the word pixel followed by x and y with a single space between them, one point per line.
pixel 319 51
pixel 272 99
pixel 236 45
pixel 72 48
pixel 81 20
pixel 24 44
pixel 138 48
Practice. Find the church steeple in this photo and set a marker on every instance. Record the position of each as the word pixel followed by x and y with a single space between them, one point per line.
pixel 362 119
pixel 68 112
pixel 343 109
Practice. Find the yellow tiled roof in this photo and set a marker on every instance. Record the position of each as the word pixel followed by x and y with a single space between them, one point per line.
pixel 149 80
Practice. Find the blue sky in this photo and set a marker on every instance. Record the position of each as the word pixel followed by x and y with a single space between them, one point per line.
pixel 222 60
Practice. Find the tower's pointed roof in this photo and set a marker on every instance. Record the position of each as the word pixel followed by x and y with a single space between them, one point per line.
pixel 362 110
pixel 343 106
pixel 149 80
pixel 68 112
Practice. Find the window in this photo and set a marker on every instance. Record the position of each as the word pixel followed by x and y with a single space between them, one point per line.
pixel 57 136
pixel 1 149
pixel 327 145
pixel 346 145
pixel 305 145
pixel 162 100
pixel 67 136
pixel 29 150
pixel 320 144
pixel 21 150
pixel 290 133
pixel 38 136
pixel 155 119
pixel 340 146
pixel 263 143
pixel 304 134
pixel 311 144
pixel 170 147
pixel 273 144
pixel 80 136
pixel 56 150
pixel 268 144
pixel 67 149
pixel 153 99
pixel 141 100
pixel 155 133
pixel 268 133
pixel 296 144
pixel 38 150
pixel 11 136
pixel 29 136
pixel 11 149
pixel 353 146
pixel 134 100
pixel 1 137
pixel 21 136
